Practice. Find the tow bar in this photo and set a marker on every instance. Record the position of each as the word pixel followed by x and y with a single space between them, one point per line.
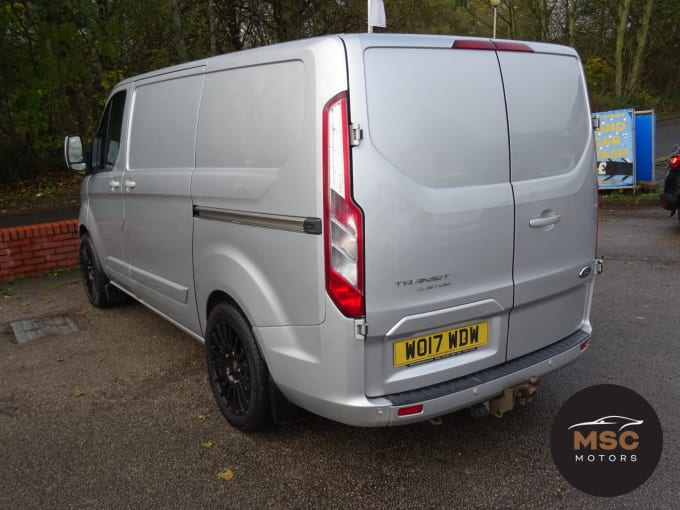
pixel 521 394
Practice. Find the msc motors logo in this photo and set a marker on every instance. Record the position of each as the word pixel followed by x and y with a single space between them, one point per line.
pixel 606 440
pixel 603 435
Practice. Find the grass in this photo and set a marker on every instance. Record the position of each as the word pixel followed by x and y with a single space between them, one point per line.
pixel 61 284
pixel 626 196
pixel 51 189
pixel 8 291
pixel 58 271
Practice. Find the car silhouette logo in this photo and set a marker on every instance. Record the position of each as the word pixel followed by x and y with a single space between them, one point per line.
pixel 621 421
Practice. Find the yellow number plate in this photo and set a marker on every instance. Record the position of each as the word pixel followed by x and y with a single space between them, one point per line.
pixel 444 343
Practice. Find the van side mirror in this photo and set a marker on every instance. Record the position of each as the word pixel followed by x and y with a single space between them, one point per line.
pixel 74 154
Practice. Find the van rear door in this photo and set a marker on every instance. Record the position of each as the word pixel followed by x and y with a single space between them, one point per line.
pixel 554 182
pixel 432 176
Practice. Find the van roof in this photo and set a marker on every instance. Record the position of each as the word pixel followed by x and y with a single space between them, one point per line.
pixel 366 40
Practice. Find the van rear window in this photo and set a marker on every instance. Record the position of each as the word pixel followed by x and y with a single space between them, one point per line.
pixel 438 115
pixel 547 112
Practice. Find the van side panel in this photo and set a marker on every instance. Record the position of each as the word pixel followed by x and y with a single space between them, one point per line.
pixel 258 160
pixel 156 193
pixel 249 134
pixel 554 181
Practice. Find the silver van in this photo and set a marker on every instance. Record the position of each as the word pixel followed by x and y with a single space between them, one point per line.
pixel 379 229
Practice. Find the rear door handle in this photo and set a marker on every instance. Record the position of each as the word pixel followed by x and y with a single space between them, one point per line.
pixel 545 221
pixel 129 184
pixel 114 184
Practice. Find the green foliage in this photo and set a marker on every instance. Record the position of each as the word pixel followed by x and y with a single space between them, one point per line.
pixel 598 74
pixel 59 60
pixel 645 101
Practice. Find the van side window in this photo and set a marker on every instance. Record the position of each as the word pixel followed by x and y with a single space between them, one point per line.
pixel 106 143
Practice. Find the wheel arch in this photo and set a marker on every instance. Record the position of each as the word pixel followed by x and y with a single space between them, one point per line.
pixel 219 296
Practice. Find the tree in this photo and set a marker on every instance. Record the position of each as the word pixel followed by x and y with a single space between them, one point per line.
pixel 59 60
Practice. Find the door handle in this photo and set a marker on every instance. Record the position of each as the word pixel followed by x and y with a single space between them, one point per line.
pixel 114 184
pixel 129 184
pixel 545 221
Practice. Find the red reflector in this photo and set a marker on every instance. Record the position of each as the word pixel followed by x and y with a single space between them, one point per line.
pixel 513 46
pixel 665 204
pixel 584 345
pixel 467 44
pixel 674 162
pixel 407 411
pixel 473 45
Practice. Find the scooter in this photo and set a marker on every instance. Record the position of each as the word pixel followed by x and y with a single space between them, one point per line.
pixel 670 198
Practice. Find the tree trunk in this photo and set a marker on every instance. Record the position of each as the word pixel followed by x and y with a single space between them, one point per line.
pixel 513 20
pixel 624 9
pixel 211 27
pixel 543 13
pixel 570 10
pixel 643 33
pixel 179 35
pixel 234 21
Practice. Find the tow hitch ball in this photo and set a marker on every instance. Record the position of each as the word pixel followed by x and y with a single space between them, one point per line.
pixel 521 394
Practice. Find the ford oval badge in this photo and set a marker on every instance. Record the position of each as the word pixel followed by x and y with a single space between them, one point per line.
pixel 585 272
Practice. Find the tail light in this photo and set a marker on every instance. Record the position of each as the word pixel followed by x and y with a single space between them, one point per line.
pixel 343 220
pixel 481 44
pixel 674 161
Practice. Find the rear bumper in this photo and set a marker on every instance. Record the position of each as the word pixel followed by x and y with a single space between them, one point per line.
pixel 448 396
pixel 669 201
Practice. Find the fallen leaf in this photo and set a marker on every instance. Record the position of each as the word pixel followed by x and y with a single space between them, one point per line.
pixel 38 195
pixel 81 312
pixel 610 376
pixel 227 474
pixel 78 393
pixel 202 417
pixel 207 444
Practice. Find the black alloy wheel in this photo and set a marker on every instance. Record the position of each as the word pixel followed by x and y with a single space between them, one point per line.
pixel 237 373
pixel 93 275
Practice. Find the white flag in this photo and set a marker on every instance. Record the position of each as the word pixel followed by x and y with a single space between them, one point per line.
pixel 377 17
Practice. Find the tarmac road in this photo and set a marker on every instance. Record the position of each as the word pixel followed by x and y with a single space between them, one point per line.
pixel 133 438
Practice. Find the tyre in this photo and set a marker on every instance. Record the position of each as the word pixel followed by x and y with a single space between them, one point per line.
pixel 93 275
pixel 237 372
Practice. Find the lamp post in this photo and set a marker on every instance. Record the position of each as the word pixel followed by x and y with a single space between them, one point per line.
pixel 494 4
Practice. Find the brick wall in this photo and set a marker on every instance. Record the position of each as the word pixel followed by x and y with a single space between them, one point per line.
pixel 33 249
